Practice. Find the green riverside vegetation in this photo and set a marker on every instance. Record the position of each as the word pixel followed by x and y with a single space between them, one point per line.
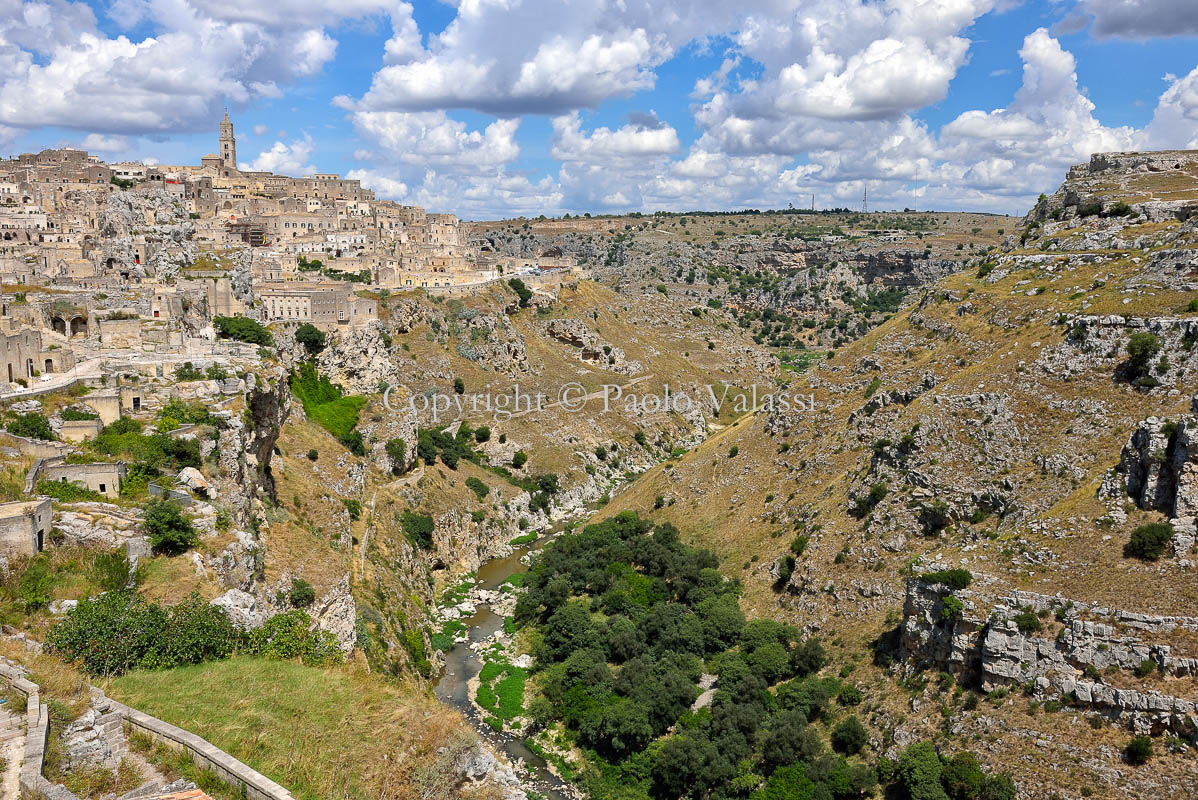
pixel 624 619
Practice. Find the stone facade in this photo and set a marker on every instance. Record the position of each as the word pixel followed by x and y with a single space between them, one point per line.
pixel 25 526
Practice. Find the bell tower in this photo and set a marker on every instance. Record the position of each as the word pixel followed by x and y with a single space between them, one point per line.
pixel 228 144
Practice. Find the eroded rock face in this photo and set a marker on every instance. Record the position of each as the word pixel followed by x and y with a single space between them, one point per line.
pixel 985 642
pixel 242 608
pixel 338 614
pixel 359 360
pixel 1160 466
pixel 591 347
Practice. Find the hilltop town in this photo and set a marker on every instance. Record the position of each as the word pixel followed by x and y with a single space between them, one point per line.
pixel 124 254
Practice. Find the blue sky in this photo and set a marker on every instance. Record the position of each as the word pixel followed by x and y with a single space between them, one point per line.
pixel 495 108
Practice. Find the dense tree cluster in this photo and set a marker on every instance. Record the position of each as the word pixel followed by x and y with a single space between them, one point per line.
pixel 626 618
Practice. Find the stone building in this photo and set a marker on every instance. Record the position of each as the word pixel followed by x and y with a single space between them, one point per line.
pixel 325 304
pixel 104 477
pixel 24 526
pixel 228 144
pixel 23 356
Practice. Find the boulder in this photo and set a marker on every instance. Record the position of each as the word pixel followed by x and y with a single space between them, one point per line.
pixel 241 607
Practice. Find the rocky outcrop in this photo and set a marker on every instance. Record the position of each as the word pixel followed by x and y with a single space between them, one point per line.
pixel 1003 640
pixel 152 220
pixel 479 765
pixel 337 614
pixel 358 360
pixel 591 348
pixel 242 609
pixel 1159 464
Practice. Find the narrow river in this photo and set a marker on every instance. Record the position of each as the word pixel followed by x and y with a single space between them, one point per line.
pixel 462 664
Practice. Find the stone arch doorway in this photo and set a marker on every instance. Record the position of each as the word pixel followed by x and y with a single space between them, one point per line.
pixel 110 263
pixel 49 366
pixel 59 325
pixel 78 327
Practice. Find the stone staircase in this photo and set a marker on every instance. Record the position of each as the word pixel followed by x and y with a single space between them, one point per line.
pixel 12 748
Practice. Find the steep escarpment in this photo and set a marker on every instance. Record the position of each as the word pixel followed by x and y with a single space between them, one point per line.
pixel 1028 420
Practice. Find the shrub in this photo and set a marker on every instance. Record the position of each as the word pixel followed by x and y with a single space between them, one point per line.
pixel 72 492
pixel 313 454
pixel 865 504
pixel 522 291
pixel 353 442
pixel 952 578
pixel 119 631
pixel 32 426
pixel 1145 668
pixel 951 608
pixel 354 507
pixel 479 488
pixel 1142 347
pixel 418 528
pixel 243 329
pixel 289 635
pixel 397 451
pixel 311 337
pixel 113 572
pixel 482 434
pixel 733 451
pixel 1138 750
pixel 1148 542
pixel 35 587
pixel 519 459
pixel 849 695
pixel 187 372
pixel 77 415
pixel 1027 622
pixel 459 386
pixel 167 528
pixel 849 736
pixel 302 594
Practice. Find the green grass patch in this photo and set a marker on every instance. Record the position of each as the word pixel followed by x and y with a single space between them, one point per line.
pixel 291 723
pixel 513 581
pixel 501 689
pixel 523 539
pixel 324 403
pixel 443 639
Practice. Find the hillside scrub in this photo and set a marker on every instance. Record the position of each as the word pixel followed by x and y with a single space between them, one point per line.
pixel 624 617
pixel 119 631
pixel 242 329
pixel 327 407
pixel 168 529
pixel 32 426
pixel 1148 542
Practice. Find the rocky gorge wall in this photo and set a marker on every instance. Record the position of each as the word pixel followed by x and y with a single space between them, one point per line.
pixel 1005 638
